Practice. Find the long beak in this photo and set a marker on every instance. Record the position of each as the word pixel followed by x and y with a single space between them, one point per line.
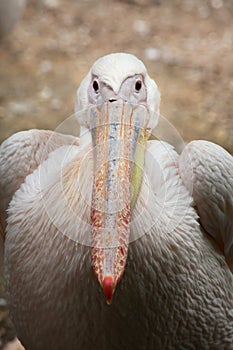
pixel 116 129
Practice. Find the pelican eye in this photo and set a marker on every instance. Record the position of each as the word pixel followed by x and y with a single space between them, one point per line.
pixel 95 86
pixel 138 85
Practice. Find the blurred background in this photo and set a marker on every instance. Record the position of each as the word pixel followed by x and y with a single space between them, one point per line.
pixel 187 46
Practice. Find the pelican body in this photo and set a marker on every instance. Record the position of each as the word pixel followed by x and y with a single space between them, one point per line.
pixel 115 213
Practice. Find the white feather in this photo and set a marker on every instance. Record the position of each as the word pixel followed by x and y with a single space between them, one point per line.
pixel 176 292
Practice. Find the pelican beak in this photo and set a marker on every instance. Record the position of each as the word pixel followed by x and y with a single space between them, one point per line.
pixel 117 129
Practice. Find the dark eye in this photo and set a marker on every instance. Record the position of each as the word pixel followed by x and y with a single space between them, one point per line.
pixel 95 86
pixel 138 85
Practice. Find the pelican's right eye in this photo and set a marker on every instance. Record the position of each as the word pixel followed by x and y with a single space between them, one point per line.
pixel 95 85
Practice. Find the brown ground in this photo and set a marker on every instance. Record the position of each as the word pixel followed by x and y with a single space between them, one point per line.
pixel 187 46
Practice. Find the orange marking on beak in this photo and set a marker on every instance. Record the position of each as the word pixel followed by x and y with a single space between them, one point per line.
pixel 108 288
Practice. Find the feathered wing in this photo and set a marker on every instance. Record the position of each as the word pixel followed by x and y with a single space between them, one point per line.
pixel 207 171
pixel 20 155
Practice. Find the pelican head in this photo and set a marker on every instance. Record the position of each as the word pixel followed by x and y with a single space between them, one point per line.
pixel 123 107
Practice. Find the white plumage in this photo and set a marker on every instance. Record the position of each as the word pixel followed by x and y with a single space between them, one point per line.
pixel 176 291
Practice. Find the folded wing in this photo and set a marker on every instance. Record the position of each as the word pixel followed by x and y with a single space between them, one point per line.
pixel 20 155
pixel 207 171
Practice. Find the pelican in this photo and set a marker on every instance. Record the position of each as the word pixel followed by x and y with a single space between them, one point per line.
pixel 114 240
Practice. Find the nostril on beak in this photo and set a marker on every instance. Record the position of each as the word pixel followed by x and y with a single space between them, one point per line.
pixel 112 100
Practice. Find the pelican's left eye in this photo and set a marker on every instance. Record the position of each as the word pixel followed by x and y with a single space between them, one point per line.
pixel 138 85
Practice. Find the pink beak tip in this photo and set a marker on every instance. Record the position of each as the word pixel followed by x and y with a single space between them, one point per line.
pixel 108 288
